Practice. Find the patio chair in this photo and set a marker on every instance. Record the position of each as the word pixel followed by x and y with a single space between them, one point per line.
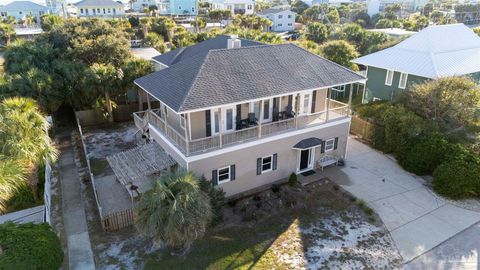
pixel 252 120
pixel 289 112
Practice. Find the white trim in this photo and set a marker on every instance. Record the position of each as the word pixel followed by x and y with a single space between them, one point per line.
pixel 302 103
pixel 387 80
pixel 271 164
pixel 270 111
pixel 224 119
pixel 225 180
pixel 252 100
pixel 310 162
pixel 398 70
pixel 400 80
pixel 333 145
pixel 260 141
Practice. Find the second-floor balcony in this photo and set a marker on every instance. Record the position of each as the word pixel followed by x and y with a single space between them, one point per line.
pixel 214 129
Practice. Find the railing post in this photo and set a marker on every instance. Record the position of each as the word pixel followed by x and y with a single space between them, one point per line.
pixel 349 112
pixel 329 96
pixel 296 110
pixel 148 102
pixel 260 117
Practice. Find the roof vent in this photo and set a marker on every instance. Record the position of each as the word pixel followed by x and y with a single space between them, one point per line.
pixel 234 42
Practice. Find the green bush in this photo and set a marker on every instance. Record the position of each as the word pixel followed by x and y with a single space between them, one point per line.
pixel 217 199
pixel 459 176
pixel 424 154
pixel 29 246
pixel 292 180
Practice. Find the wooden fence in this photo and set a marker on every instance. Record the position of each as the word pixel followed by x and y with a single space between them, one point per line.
pixel 118 220
pixel 362 128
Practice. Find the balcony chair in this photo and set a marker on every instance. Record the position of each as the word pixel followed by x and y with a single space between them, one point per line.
pixel 252 120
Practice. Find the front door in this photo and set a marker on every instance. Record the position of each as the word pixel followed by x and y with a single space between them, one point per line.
pixel 305 161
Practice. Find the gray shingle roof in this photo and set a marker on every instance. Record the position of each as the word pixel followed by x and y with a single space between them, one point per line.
pixel 204 47
pixel 308 143
pixel 236 75
pixel 22 6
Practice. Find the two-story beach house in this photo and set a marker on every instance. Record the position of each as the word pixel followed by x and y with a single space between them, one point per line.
pixel 282 19
pixel 435 52
pixel 244 114
pixel 20 9
pixel 100 8
pixel 235 6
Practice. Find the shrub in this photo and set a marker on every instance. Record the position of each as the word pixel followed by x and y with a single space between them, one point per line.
pixel 275 188
pixel 459 176
pixel 424 154
pixel 292 180
pixel 29 245
pixel 217 199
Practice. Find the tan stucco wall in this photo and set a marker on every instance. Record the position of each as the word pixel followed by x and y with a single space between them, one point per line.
pixel 245 159
pixel 198 125
pixel 320 100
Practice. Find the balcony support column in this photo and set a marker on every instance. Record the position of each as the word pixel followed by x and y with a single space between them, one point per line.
pixel 185 124
pixel 220 127
pixel 350 93
pixel 296 109
pixel 140 99
pixel 329 96
pixel 260 118
pixel 148 102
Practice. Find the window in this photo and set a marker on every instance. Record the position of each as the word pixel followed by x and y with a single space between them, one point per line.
pixel 98 10
pixel 182 120
pixel 403 80
pixel 108 10
pixel 267 164
pixel 193 9
pixel 329 145
pixel 81 10
pixel 103 11
pixel 223 175
pixel 266 109
pixel 376 99
pixel 289 16
pixel 279 24
pixel 389 77
pixel 280 16
pixel 20 12
pixel 179 7
pixel 114 11
pixel 289 24
pixel 249 7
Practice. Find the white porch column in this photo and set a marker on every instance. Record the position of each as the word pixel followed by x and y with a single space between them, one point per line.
pixel 148 102
pixel 187 141
pixel 220 126
pixel 329 96
pixel 350 99
pixel 296 109
pixel 260 118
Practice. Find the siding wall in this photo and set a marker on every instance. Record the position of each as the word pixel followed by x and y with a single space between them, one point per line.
pixel 197 122
pixel 245 159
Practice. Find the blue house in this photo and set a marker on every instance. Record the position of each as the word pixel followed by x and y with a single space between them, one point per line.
pixel 177 7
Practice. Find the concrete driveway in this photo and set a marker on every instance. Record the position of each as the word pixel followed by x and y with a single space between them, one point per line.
pixel 417 218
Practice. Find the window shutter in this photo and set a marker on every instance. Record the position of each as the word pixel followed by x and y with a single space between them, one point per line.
pixel 274 162
pixel 208 124
pixel 335 144
pixel 214 178
pixel 314 100
pixel 322 149
pixel 232 172
pixel 259 166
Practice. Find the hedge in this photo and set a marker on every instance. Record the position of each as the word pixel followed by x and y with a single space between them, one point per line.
pixel 29 246
pixel 424 153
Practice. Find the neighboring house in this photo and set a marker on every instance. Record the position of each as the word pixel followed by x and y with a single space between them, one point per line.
pixel 100 8
pixel 177 7
pixel 21 9
pixel 57 6
pixel 235 6
pixel 395 33
pixel 409 6
pixel 435 52
pixel 140 5
pixel 246 117
pixel 282 19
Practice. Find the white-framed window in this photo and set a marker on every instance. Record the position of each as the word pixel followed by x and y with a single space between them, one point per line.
pixel 249 7
pixel 81 10
pixel 267 163
pixel 279 24
pixel 329 145
pixel 109 10
pixel 289 16
pixel 179 7
pixel 280 16
pixel 402 83
pixel 389 77
pixel 193 9
pixel 376 99
pixel 223 175
pixel 289 24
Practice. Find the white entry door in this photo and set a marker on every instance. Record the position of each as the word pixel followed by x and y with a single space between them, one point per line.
pixel 305 159
pixel 305 103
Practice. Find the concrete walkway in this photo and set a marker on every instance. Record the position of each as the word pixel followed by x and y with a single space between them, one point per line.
pixel 417 218
pixel 78 242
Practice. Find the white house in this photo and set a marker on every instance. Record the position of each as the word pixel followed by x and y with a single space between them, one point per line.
pixel 140 5
pixel 377 6
pixel 57 6
pixel 282 19
pixel 235 6
pixel 100 8
pixel 21 9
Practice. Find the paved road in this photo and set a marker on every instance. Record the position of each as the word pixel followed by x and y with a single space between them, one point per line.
pixel 80 255
pixel 417 218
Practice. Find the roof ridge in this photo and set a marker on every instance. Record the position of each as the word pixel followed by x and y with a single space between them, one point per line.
pixel 194 81
pixel 248 47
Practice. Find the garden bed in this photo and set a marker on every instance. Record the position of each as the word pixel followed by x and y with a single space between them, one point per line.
pixel 315 226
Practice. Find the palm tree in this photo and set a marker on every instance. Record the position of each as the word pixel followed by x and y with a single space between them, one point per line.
pixel 24 136
pixel 6 33
pixel 176 211
pixel 12 179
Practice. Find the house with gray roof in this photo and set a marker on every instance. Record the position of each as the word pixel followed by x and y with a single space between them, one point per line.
pixel 100 8
pixel 20 9
pixel 283 19
pixel 246 114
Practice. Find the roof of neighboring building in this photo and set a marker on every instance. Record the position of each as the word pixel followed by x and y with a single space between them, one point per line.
pixel 273 11
pixel 434 52
pixel 101 3
pixel 228 76
pixel 201 48
pixel 145 53
pixel 394 31
pixel 22 5
pixel 232 1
